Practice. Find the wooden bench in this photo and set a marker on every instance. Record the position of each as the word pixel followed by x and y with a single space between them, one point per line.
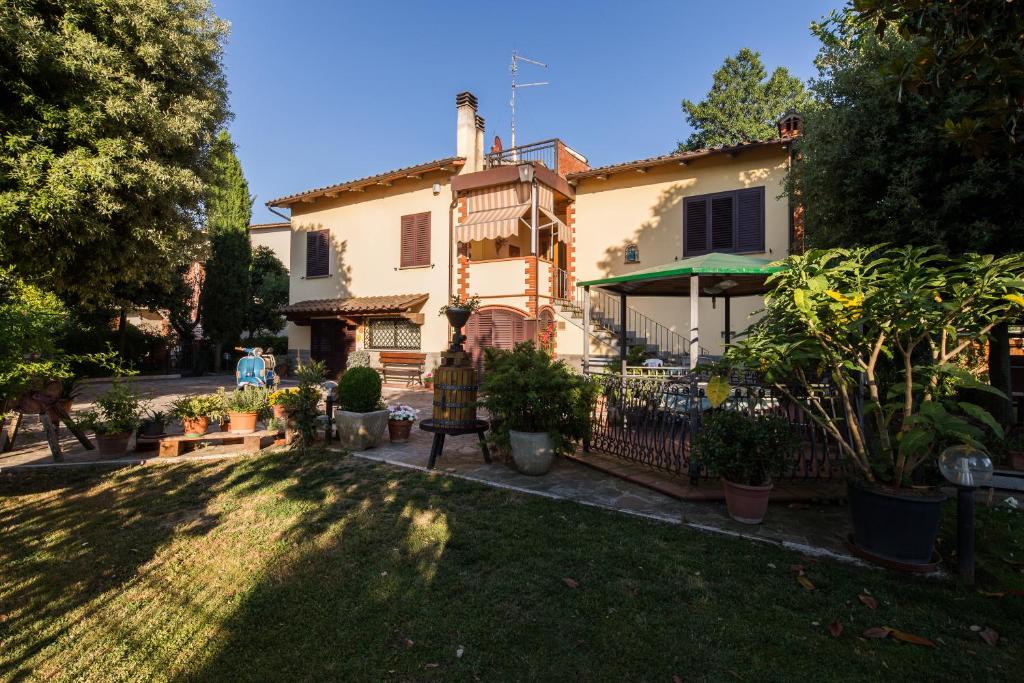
pixel 172 446
pixel 407 365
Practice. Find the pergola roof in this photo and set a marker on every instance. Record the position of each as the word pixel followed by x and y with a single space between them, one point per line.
pixel 673 279
pixel 355 305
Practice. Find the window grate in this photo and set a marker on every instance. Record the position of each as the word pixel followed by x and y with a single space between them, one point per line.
pixel 393 333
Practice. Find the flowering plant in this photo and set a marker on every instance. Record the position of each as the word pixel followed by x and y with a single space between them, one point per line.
pixel 402 413
pixel 278 396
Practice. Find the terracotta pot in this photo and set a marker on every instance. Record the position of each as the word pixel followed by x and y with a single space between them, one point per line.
pixel 113 445
pixel 242 423
pixel 280 413
pixel 399 430
pixel 1016 459
pixel 746 504
pixel 195 427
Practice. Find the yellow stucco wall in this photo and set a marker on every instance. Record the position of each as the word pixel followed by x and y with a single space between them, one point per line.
pixel 647 209
pixel 279 239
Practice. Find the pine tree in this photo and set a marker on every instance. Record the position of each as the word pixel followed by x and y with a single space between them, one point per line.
pixel 228 212
pixel 741 105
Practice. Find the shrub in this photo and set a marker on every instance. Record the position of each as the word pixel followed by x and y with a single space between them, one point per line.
pixel 303 404
pixel 744 449
pixel 247 400
pixel 358 359
pixel 194 407
pixel 359 391
pixel 120 410
pixel 525 390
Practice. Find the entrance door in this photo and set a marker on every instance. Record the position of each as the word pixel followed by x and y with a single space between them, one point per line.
pixel 329 343
pixel 498 328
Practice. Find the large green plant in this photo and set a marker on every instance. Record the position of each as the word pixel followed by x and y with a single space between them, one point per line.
pixel 302 406
pixel 359 390
pixel 117 411
pixel 247 400
pixel 195 407
pixel 745 449
pixel 894 321
pixel 526 391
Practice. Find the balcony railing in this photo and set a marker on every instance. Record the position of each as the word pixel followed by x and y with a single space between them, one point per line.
pixel 546 152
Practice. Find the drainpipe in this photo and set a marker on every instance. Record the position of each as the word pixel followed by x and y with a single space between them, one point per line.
pixel 278 213
pixel 451 248
pixel 535 244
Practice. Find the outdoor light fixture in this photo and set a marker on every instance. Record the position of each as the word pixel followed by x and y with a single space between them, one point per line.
pixel 967 468
pixel 720 287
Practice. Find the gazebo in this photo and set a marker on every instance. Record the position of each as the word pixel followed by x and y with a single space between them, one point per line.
pixel 709 275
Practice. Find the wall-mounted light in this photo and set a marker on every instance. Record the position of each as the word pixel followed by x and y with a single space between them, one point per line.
pixel 436 189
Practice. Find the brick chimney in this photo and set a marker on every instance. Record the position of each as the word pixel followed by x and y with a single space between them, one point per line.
pixel 791 125
pixel 468 130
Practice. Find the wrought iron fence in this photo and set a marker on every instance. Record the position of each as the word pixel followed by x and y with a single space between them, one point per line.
pixel 546 152
pixel 652 420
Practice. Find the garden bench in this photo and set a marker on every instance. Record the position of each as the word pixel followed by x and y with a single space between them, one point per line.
pixel 407 365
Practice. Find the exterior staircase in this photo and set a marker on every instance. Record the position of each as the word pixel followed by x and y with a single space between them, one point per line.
pixel 606 325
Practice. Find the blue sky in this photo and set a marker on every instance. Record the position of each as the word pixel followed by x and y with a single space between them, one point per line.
pixel 325 91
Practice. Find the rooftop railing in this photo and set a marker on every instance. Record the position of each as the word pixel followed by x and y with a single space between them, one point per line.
pixel 546 152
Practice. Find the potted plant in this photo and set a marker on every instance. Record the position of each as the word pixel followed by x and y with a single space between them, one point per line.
pixel 400 420
pixel 195 412
pixel 458 310
pixel 428 380
pixel 117 416
pixel 245 407
pixel 302 405
pixel 747 453
pixel 539 408
pixel 360 416
pixel 154 424
pixel 867 342
pixel 278 400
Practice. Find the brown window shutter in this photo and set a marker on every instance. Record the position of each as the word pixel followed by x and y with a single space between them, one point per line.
pixel 422 254
pixel 696 226
pixel 415 240
pixel 750 219
pixel 722 223
pixel 408 257
pixel 318 249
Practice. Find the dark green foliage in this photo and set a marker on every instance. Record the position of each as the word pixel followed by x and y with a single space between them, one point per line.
pixel 744 449
pixel 742 105
pixel 108 111
pixel 302 406
pixel 359 390
pixel 525 390
pixel 118 410
pixel 268 291
pixel 225 295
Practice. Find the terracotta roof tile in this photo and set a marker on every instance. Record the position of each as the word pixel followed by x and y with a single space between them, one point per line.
pixel 675 157
pixel 395 303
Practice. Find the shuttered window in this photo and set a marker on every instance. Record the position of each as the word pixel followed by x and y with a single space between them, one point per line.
pixel 392 333
pixel 415 240
pixel 724 222
pixel 318 250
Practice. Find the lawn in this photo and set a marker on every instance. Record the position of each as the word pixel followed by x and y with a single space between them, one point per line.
pixel 289 567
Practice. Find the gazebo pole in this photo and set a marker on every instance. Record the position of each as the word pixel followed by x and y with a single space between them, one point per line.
pixel 586 330
pixel 623 351
pixel 728 330
pixel 694 320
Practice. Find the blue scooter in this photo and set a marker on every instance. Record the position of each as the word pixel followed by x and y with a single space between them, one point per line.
pixel 255 368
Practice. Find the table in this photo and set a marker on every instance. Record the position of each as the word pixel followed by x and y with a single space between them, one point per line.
pixel 440 431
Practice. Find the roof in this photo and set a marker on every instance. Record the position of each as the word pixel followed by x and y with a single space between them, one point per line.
pixel 268 226
pixel 675 158
pixel 746 273
pixel 360 183
pixel 356 305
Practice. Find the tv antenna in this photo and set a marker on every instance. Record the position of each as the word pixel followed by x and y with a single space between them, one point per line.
pixel 514 69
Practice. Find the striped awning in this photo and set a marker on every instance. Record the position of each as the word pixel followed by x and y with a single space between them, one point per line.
pixel 491 223
pixel 496 211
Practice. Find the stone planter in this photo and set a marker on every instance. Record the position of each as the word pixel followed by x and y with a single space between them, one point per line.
pixel 113 445
pixel 399 430
pixel 359 431
pixel 196 426
pixel 532 452
pixel 242 423
pixel 746 504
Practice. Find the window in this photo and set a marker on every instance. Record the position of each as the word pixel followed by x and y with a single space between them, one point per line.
pixel 631 254
pixel 724 221
pixel 318 249
pixel 392 333
pixel 415 240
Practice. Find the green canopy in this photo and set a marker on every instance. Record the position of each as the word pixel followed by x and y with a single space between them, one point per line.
pixel 742 275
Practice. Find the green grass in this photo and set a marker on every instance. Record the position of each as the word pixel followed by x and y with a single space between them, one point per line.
pixel 327 568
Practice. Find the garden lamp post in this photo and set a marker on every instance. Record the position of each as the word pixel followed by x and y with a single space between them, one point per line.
pixel 967 468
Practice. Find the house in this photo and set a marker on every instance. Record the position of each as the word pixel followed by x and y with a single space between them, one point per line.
pixel 373 259
pixel 275 236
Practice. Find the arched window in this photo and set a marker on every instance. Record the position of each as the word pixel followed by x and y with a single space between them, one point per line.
pixel 632 254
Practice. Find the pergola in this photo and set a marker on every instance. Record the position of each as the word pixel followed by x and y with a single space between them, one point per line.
pixel 710 275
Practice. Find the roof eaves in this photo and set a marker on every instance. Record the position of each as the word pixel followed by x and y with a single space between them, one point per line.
pixel 674 158
pixel 398 173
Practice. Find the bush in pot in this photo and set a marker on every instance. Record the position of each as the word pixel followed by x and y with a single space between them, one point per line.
pixel 154 424
pixel 901 319
pixel 118 415
pixel 748 453
pixel 196 411
pixel 539 408
pixel 360 416
pixel 245 406
pixel 302 405
pixel 278 402
pixel 401 418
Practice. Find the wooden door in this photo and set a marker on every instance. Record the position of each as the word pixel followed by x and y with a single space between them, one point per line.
pixel 329 342
pixel 496 328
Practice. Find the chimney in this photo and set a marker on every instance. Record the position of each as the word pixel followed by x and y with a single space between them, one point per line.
pixel 466 132
pixel 791 125
pixel 479 149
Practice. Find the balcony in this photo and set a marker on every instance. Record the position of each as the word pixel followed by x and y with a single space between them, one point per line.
pixel 553 154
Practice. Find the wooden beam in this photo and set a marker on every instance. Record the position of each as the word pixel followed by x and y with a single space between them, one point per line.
pixel 642 169
pixel 414 176
pixel 356 189
pixel 307 200
pixel 603 176
pixel 332 195
pixel 384 183
pixel 684 162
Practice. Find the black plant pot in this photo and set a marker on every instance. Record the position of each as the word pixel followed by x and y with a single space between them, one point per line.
pixel 457 316
pixel 151 428
pixel 898 527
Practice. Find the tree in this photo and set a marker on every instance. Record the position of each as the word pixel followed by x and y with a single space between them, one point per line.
pixel 108 111
pixel 741 105
pixel 268 286
pixel 885 159
pixel 225 294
